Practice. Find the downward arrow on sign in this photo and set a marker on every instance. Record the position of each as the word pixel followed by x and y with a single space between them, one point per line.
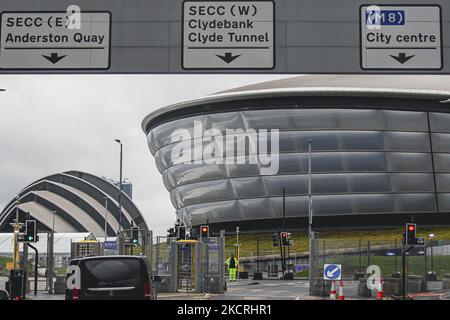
pixel 228 57
pixel 53 58
pixel 402 58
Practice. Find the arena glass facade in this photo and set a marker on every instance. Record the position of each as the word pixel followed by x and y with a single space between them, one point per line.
pixel 377 160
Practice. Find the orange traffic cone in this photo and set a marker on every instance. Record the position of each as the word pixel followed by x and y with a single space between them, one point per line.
pixel 333 290
pixel 380 292
pixel 341 290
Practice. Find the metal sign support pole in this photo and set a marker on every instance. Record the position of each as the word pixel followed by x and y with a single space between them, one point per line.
pixel 404 251
pixel 36 261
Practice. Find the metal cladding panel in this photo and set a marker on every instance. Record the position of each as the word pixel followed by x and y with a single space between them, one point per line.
pixel 364 162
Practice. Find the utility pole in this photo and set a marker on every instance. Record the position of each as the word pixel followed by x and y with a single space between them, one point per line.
pixel 237 251
pixel 310 220
pixel 283 224
pixel 106 217
pixel 50 255
pixel 405 249
pixel 120 184
pixel 310 213
pixel 16 229
pixel 36 261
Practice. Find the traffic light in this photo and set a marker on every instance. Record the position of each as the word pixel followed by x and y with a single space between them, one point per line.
pixel 204 231
pixel 411 234
pixel 181 232
pixel 135 235
pixel 30 231
pixel 171 233
pixel 284 239
pixel 275 240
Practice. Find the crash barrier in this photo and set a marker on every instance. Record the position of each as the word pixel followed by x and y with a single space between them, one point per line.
pixel 363 289
pixel 59 285
pixel 414 284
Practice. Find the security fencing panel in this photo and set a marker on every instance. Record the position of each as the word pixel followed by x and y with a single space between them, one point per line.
pixel 165 263
pixel 186 266
pixel 160 256
pixel 211 265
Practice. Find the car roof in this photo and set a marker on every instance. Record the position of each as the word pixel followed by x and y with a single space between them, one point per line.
pixel 108 257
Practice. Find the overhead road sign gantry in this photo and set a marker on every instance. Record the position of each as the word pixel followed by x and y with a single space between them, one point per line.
pixel 401 37
pixel 261 36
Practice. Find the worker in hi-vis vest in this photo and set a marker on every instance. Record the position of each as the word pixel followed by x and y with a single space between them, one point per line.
pixel 232 264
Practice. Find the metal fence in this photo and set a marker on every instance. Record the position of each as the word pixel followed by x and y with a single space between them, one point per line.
pixel 354 256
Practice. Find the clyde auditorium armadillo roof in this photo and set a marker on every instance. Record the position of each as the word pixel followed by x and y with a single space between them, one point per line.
pixel 78 200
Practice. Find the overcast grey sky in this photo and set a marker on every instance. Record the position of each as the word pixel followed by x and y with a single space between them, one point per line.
pixel 54 123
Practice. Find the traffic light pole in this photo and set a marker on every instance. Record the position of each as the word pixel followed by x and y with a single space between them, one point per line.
pixel 282 249
pixel 50 260
pixel 404 251
pixel 16 227
pixel 280 243
pixel 36 259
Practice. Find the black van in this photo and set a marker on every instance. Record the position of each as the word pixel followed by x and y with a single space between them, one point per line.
pixel 110 277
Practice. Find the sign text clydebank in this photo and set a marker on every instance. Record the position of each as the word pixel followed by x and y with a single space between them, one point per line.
pixel 228 35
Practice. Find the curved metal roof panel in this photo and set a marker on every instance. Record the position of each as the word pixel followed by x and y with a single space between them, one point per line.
pixel 393 86
pixel 78 198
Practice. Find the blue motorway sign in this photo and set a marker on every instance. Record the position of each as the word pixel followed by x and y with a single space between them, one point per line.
pixel 301 267
pixel 110 245
pixel 332 271
pixel 385 17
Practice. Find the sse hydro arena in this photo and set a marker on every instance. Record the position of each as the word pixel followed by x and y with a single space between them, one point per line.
pixel 380 153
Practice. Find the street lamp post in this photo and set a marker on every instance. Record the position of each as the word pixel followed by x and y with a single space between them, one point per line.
pixel 310 219
pixel 237 250
pixel 120 185
pixel 16 227
pixel 50 255
pixel 309 190
pixel 106 217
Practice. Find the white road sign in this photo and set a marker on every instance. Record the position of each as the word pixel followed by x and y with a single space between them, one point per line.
pixel 228 35
pixel 55 40
pixel 401 37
